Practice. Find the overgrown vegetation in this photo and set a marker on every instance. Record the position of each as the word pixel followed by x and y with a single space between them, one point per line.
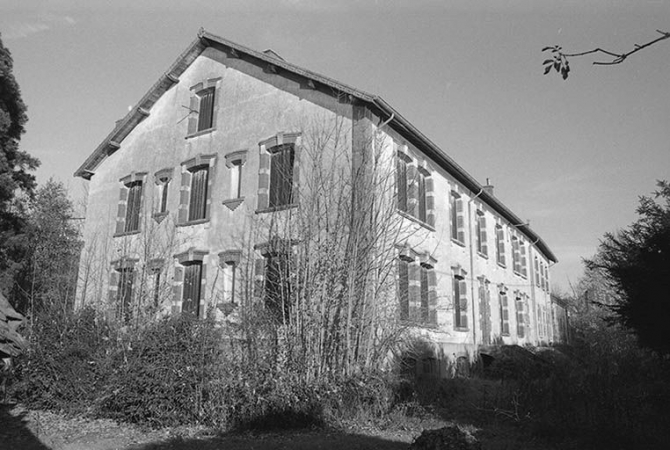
pixel 179 371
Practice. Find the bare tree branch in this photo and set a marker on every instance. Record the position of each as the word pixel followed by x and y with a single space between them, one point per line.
pixel 559 60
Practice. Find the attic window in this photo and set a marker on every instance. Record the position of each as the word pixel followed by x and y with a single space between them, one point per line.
pixel 202 108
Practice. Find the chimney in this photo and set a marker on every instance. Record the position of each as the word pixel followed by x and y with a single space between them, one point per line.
pixel 488 188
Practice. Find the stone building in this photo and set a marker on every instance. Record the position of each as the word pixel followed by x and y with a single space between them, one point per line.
pixel 225 143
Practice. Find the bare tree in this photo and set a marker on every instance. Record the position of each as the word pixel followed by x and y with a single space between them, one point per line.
pixel 559 60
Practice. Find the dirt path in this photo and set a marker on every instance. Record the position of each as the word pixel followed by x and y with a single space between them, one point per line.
pixel 39 430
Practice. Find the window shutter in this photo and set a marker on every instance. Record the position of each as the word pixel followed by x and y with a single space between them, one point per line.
pixel 401 184
pixel 424 293
pixel 421 194
pixel 133 206
pixel 537 273
pixel 524 262
pixel 460 220
pixel 515 255
pixel 430 201
pixel 403 289
pixel 520 318
pixel 198 195
pixel 184 197
pixel 483 239
pixel 432 296
pixel 500 241
pixel 177 288
pixel 124 294
pixel 193 114
pixel 113 287
pixel 463 302
pixel 121 210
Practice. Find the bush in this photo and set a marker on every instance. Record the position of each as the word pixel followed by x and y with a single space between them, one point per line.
pixel 67 362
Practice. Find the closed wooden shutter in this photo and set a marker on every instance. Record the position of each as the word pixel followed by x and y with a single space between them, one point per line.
pixel 133 206
pixel 504 314
pixel 520 315
pixel 516 260
pixel 463 303
pixel 453 216
pixel 421 178
pixel 191 292
pixel 206 110
pixel 483 236
pixel 281 176
pixel 198 197
pixel 403 288
pixel 500 241
pixel 460 220
pixel 523 261
pixel 401 184
pixel 121 210
pixel 124 294
pixel 424 293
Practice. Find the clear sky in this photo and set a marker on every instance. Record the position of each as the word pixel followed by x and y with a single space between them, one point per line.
pixel 572 157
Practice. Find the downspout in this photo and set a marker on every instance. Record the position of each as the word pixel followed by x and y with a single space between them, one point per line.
pixel 472 267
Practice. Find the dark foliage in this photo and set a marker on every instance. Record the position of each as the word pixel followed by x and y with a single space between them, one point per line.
pixel 14 172
pixel 636 263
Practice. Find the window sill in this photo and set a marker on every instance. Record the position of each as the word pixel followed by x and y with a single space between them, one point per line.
pixel 160 216
pixel 127 233
pixel 502 265
pixel 483 255
pixel 408 216
pixel 276 208
pixel 420 324
pixel 200 133
pixel 457 242
pixel 193 222
pixel 462 329
pixel 233 203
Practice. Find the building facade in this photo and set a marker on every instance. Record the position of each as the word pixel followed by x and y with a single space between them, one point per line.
pixel 233 150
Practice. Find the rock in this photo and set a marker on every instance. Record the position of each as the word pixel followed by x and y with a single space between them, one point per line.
pixel 451 437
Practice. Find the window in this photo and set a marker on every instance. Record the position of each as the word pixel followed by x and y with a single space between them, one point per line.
pixel 203 107
pixel 196 189
pixel 130 204
pixel 403 288
pixel 482 244
pixel 414 189
pixel 278 177
pixel 417 296
pixel 460 298
pixel 538 275
pixel 457 219
pixel 121 288
pixel 189 281
pixel 281 175
pixel 236 179
pixel 162 180
pixel 228 262
pixel 206 109
pixel 500 245
pixel 197 205
pixel 278 286
pixel 504 311
pixel 191 289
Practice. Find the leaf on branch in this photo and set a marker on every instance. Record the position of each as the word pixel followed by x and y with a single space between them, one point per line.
pixel 547 69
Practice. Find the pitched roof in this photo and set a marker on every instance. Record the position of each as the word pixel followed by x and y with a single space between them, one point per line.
pixel 205 39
